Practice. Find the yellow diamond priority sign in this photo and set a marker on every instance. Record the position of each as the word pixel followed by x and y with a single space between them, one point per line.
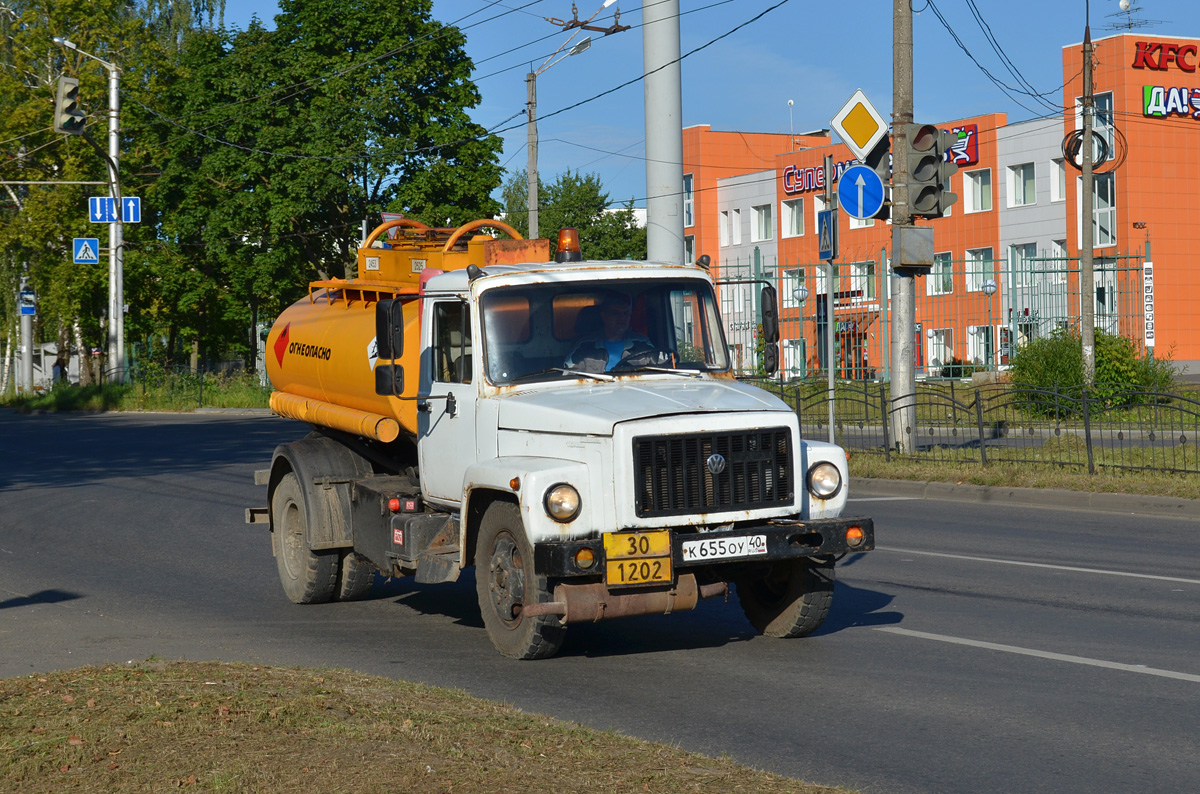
pixel 859 125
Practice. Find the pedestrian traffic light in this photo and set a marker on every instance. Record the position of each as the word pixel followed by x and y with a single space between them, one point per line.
pixel 929 170
pixel 68 118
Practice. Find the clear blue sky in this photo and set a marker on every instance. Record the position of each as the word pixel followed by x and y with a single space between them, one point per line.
pixel 814 53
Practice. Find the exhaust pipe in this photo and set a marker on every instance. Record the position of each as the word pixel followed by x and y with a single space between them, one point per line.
pixel 579 603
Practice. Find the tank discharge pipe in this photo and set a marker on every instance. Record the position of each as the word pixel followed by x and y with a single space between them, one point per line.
pixel 338 417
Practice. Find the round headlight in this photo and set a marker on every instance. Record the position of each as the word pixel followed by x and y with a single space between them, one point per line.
pixel 824 480
pixel 562 502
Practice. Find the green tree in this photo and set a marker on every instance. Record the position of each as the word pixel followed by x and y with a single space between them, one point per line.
pixel 580 202
pixel 275 145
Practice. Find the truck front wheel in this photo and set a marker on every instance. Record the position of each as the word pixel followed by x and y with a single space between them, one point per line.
pixel 307 577
pixel 505 581
pixel 789 598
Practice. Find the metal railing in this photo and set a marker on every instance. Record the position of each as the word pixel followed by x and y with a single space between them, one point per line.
pixel 1109 427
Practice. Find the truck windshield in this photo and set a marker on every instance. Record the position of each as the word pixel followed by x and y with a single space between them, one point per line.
pixel 553 330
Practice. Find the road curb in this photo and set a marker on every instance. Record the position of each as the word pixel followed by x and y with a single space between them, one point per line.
pixel 236 411
pixel 1128 504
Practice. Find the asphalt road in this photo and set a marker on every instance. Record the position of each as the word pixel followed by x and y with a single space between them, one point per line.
pixel 982 648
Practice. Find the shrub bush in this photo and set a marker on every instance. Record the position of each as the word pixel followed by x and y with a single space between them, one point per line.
pixel 1055 364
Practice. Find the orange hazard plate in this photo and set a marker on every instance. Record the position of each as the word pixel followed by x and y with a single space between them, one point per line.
pixel 637 558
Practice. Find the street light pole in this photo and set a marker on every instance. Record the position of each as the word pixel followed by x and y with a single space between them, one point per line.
pixel 989 289
pixel 531 103
pixel 116 268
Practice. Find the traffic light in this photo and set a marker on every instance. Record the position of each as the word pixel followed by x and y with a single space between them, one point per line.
pixel 879 160
pixel 68 118
pixel 928 170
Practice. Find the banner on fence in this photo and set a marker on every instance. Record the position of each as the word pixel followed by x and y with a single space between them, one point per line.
pixel 1148 300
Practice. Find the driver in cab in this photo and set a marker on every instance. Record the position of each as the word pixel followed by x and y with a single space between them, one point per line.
pixel 602 349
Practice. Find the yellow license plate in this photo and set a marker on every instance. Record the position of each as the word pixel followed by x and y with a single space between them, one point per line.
pixel 635 558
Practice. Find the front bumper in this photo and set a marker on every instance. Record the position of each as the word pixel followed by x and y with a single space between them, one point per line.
pixel 785 539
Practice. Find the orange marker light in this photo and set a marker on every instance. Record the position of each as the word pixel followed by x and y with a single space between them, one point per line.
pixel 394 505
pixel 567 249
pixel 854 536
pixel 585 558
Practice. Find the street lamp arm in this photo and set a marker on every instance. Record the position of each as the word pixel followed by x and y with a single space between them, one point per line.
pixel 70 45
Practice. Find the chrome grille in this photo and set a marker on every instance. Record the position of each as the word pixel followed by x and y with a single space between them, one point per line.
pixel 672 476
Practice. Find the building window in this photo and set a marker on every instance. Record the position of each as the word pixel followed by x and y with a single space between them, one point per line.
pixel 948 188
pixel 940 280
pixel 1058 180
pixel 980 268
pixel 940 348
pixel 981 342
pixel 1105 211
pixel 689 249
pixel 792 280
pixel 1022 260
pixel 1022 188
pixel 977 185
pixel 864 223
pixel 723 227
pixel 689 215
pixel 1104 118
pixel 735 227
pixel 793 358
pixel 862 277
pixel 1059 262
pixel 764 227
pixel 822 281
pixel 793 217
pixel 818 208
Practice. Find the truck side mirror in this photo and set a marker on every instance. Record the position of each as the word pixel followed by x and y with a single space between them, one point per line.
pixel 770 315
pixel 770 358
pixel 389 379
pixel 389 329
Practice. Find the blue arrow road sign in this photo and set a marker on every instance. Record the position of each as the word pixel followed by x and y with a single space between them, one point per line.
pixel 860 192
pixel 827 234
pixel 131 209
pixel 102 209
pixel 87 251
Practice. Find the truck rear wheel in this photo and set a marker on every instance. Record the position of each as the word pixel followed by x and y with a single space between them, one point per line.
pixel 505 581
pixel 355 577
pixel 789 598
pixel 308 577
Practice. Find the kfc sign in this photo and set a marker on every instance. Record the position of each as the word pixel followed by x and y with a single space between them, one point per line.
pixel 1159 56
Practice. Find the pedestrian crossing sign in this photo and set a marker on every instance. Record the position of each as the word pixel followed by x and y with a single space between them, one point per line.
pixel 827 234
pixel 87 251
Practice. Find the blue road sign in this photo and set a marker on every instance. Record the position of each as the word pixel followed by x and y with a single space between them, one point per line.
pixel 827 234
pixel 87 251
pixel 860 192
pixel 102 209
pixel 28 303
pixel 131 209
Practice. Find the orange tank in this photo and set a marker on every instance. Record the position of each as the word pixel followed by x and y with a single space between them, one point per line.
pixel 321 352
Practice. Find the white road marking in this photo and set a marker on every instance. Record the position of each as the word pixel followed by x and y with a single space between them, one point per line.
pixel 1042 565
pixel 882 498
pixel 1057 657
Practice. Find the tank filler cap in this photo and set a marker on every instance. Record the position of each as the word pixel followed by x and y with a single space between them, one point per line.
pixel 567 249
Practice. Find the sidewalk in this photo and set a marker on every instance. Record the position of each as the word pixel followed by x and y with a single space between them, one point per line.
pixel 1128 504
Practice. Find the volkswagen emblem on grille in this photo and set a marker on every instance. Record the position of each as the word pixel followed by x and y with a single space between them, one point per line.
pixel 716 463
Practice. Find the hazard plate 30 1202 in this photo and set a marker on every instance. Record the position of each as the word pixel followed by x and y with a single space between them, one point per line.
pixel 724 548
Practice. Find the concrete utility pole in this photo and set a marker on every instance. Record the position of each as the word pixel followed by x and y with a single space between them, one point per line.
pixel 1087 278
pixel 25 381
pixel 664 131
pixel 904 297
pixel 532 146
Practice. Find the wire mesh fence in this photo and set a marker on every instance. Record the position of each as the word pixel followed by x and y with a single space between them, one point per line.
pixel 1109 427
pixel 972 314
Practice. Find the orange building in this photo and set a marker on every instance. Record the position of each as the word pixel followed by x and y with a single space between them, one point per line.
pixel 1004 270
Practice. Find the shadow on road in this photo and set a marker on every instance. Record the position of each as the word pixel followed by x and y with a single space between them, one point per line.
pixel 75 449
pixel 854 607
pixel 42 597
